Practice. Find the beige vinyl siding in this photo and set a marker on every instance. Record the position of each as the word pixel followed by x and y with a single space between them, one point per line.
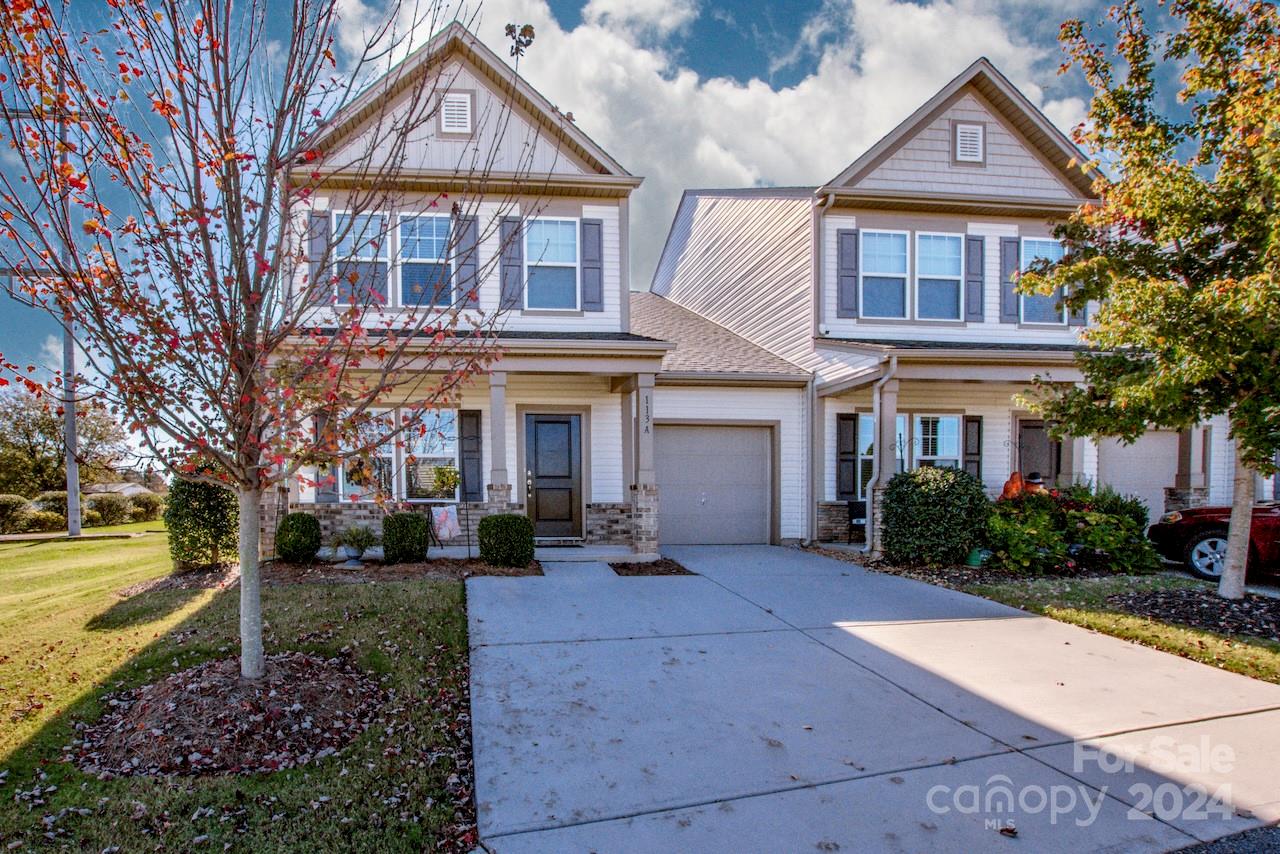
pixel 503 140
pixel 745 263
pixel 923 164
pixel 785 406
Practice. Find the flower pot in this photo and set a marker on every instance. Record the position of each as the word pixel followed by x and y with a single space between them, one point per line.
pixel 352 553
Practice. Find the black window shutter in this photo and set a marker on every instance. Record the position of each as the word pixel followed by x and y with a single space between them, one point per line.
pixel 847 272
pixel 973 445
pixel 512 265
pixel 846 457
pixel 471 445
pixel 592 265
pixel 1010 265
pixel 327 475
pixel 973 265
pixel 466 251
pixel 317 248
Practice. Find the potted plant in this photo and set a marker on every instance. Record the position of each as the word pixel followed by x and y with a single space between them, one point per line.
pixel 354 541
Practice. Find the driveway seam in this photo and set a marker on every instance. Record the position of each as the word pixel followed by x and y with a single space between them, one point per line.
pixel 633 637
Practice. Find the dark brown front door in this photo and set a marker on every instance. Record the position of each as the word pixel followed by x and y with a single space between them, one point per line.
pixel 553 476
pixel 1037 452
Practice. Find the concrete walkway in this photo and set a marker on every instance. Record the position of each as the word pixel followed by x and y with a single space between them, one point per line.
pixel 783 701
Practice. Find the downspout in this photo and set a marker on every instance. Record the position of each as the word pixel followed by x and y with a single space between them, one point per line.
pixel 875 460
pixel 811 392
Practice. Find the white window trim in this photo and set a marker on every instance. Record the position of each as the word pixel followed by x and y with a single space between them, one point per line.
pixel 1022 256
pixel 402 476
pixel 915 458
pixel 396 300
pixel 863 272
pixel 959 280
pixel 342 464
pixel 386 247
pixel 982 142
pixel 466 97
pixel 576 265
pixel 859 456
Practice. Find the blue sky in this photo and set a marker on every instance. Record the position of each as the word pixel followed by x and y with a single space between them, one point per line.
pixel 709 93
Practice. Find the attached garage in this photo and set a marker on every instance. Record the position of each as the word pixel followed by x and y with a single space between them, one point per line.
pixel 1143 469
pixel 714 484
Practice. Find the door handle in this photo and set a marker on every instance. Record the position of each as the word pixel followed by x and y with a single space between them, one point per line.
pixel 528 481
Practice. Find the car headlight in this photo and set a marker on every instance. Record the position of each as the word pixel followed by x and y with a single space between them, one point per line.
pixel 1170 518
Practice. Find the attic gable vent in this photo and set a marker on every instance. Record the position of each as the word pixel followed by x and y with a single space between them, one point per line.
pixel 970 147
pixel 455 112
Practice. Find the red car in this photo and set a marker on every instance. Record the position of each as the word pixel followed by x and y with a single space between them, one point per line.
pixel 1198 538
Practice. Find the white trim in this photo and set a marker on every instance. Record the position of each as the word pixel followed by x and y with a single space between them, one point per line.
pixel 862 273
pixel 394 279
pixel 959 419
pixel 527 262
pixel 1022 263
pixel 959 279
pixel 334 214
pixel 397 454
pixel 956 148
pixel 451 97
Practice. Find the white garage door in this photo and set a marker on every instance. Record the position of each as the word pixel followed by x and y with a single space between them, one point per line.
pixel 713 484
pixel 1143 469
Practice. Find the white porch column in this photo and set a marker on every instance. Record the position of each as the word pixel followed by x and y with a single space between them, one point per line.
pixel 644 429
pixel 498 430
pixel 887 440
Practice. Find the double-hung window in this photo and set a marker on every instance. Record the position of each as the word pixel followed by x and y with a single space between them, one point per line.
pixel 884 274
pixel 372 470
pixel 360 256
pixel 936 441
pixel 428 449
pixel 424 261
pixel 866 449
pixel 551 264
pixel 1041 308
pixel 938 276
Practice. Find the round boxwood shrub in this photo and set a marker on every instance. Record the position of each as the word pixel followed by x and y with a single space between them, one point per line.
pixel 405 537
pixel 91 518
pixel 298 538
pixel 54 501
pixel 112 509
pixel 933 516
pixel 506 539
pixel 203 521
pixel 15 514
pixel 44 520
pixel 146 507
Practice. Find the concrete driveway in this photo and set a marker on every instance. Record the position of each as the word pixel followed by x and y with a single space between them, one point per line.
pixel 783 701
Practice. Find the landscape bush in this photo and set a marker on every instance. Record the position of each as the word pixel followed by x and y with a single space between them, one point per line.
pixel 15 514
pixel 506 539
pixel 405 537
pixel 933 516
pixel 298 538
pixel 54 501
pixel 1025 539
pixel 203 521
pixel 146 507
pixel 91 518
pixel 40 521
pixel 112 509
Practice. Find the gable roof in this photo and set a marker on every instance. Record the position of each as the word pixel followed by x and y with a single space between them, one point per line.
pixel 1044 137
pixel 704 347
pixel 456 38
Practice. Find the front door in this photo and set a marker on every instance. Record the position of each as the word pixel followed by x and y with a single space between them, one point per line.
pixel 553 474
pixel 1037 452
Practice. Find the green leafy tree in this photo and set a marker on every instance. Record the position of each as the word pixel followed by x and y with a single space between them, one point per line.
pixel 1183 251
pixel 32 454
pixel 203 521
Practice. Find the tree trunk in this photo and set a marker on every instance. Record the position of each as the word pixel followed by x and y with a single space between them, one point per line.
pixel 252 663
pixel 1231 585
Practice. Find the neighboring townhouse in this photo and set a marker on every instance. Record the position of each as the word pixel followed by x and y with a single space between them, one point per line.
pixel 893 283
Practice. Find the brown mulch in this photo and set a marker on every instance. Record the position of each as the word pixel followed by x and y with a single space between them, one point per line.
pixel 1202 608
pixel 202 579
pixel 205 720
pixel 958 577
pixel 278 572
pixel 661 566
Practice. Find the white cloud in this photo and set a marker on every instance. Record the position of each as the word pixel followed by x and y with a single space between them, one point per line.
pixel 874 62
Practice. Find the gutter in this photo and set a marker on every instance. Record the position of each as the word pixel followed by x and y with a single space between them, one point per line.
pixel 875 460
pixel 811 388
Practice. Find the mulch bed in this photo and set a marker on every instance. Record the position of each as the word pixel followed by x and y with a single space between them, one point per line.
pixel 204 579
pixel 278 572
pixel 958 577
pixel 661 566
pixel 1202 608
pixel 205 720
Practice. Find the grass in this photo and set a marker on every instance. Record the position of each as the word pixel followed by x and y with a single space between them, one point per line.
pixel 1083 602
pixel 66 638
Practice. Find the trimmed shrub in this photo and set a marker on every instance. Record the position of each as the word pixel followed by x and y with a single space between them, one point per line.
pixel 506 539
pixel 54 501
pixel 298 538
pixel 15 514
pixel 91 519
pixel 933 516
pixel 405 537
pixel 203 521
pixel 111 509
pixel 45 520
pixel 146 507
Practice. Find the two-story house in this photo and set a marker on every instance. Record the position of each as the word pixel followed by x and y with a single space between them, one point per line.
pixel 893 283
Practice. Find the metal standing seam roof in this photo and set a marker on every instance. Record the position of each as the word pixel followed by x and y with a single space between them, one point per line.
pixel 701 345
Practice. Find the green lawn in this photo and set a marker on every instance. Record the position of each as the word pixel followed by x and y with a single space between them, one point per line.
pixel 66 638
pixel 1083 602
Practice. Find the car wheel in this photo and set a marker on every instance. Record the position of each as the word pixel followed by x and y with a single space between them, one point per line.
pixel 1206 554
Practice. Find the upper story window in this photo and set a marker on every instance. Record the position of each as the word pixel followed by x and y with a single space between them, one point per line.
pixel 427 450
pixel 936 441
pixel 360 258
pixel 1041 308
pixel 424 261
pixel 883 274
pixel 968 142
pixel 551 263
pixel 456 112
pixel 938 276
